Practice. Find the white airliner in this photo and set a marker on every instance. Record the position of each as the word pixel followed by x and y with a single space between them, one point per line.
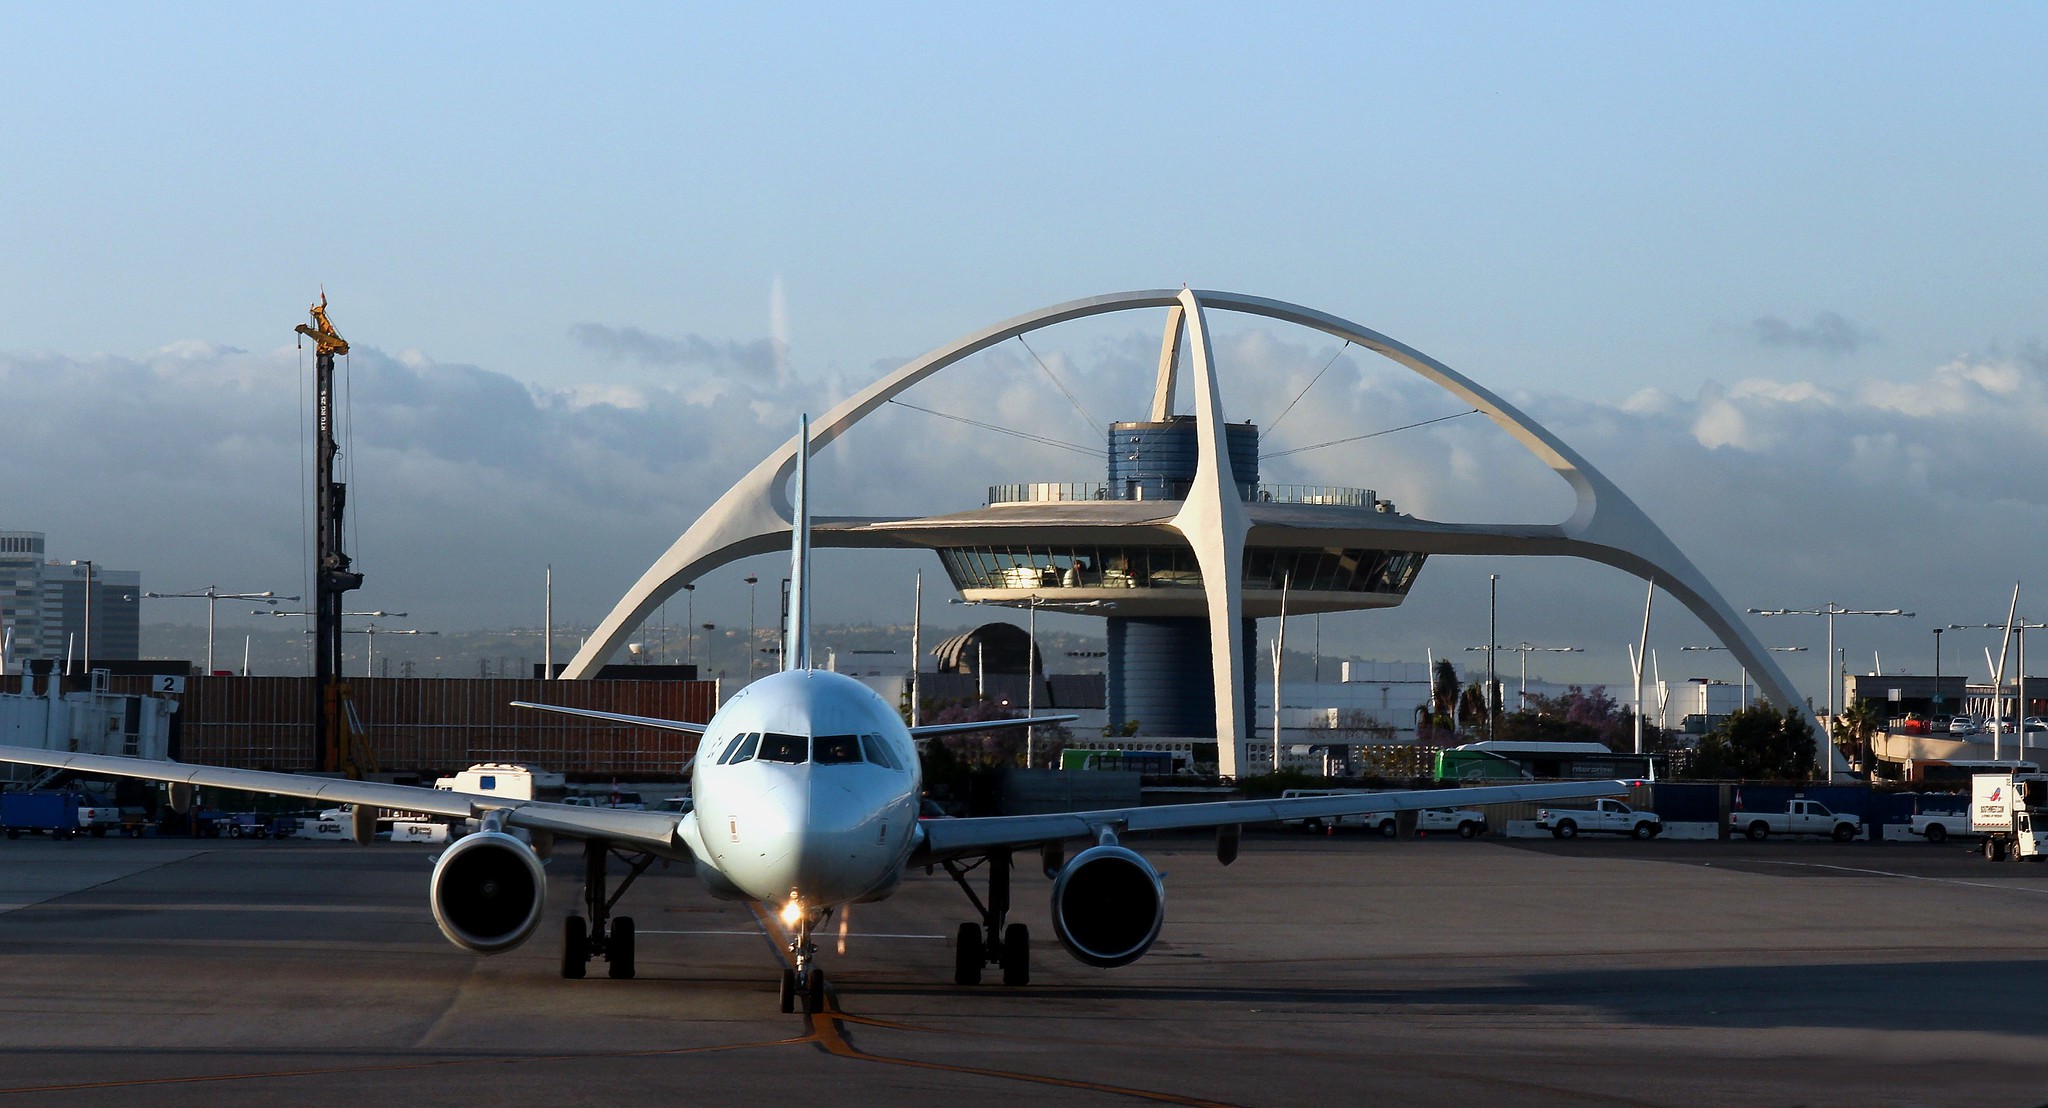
pixel 807 789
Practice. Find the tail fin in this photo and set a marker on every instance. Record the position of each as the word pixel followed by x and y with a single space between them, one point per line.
pixel 796 648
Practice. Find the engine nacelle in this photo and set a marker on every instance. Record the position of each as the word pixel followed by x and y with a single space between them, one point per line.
pixel 487 892
pixel 1107 906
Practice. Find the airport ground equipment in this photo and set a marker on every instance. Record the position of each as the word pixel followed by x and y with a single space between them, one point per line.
pixel 53 813
pixel 1605 816
pixel 2011 811
pixel 1800 817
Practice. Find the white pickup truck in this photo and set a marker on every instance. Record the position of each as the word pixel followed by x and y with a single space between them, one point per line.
pixel 1938 827
pixel 1611 816
pixel 1467 822
pixel 1800 817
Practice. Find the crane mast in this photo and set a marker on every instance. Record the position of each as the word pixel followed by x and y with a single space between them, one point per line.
pixel 332 733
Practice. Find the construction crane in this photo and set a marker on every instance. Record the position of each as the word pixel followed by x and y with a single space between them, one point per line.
pixel 338 740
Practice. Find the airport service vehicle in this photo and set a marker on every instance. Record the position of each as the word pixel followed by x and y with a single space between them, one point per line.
pixel 2011 811
pixel 1938 827
pixel 53 813
pixel 807 789
pixel 1611 816
pixel 1466 822
pixel 1800 817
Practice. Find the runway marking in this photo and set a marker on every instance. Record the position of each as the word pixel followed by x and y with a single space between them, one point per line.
pixel 1903 876
pixel 828 1034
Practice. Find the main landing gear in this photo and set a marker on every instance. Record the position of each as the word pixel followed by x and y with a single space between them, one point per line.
pixel 990 943
pixel 597 933
pixel 807 980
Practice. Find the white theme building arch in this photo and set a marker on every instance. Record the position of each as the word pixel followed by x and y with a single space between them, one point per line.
pixel 753 517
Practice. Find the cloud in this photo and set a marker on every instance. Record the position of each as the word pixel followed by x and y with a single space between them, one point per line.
pixel 1829 333
pixel 758 359
pixel 190 465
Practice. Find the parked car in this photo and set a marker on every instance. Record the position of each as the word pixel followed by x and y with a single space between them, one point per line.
pixel 1962 725
pixel 2036 723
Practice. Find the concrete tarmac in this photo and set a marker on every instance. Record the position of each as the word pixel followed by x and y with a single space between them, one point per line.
pixel 1316 970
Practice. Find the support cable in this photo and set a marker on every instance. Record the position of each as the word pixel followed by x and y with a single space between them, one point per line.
pixel 1093 424
pixel 1311 384
pixel 1369 435
pixel 1090 451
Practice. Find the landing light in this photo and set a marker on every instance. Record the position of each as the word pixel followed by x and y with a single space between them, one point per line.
pixel 792 913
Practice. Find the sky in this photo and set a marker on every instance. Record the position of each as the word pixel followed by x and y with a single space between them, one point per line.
pixel 1777 269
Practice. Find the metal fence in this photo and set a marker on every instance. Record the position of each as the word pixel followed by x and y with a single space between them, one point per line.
pixel 439 725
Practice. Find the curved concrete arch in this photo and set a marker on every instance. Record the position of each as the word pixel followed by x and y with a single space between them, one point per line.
pixel 753 516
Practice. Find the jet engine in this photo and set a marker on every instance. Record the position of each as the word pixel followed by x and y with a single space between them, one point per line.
pixel 1107 906
pixel 487 892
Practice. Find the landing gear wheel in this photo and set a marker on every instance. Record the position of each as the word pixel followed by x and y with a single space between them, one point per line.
pixel 575 947
pixel 1017 955
pixel 618 950
pixel 814 991
pixel 967 959
pixel 788 989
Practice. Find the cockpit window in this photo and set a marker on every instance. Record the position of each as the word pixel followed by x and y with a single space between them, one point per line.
pixel 792 749
pixel 741 749
pixel 831 750
pixel 878 751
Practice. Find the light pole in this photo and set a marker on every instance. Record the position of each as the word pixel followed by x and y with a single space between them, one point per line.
pixel 710 647
pixel 372 631
pixel 213 596
pixel 753 628
pixel 1492 639
pixel 87 563
pixel 1032 604
pixel 1938 699
pixel 1831 610
pixel 1524 649
pixel 2018 627
pixel 690 624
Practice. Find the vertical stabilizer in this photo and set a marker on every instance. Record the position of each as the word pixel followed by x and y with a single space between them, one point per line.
pixel 796 648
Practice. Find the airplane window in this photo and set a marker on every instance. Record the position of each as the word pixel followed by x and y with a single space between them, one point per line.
pixel 878 751
pixel 836 749
pixel 793 749
pixel 742 749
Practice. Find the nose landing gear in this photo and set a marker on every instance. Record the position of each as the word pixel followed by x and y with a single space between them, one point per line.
pixel 807 979
pixel 597 933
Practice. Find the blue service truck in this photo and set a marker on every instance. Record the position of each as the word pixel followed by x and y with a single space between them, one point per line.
pixel 52 813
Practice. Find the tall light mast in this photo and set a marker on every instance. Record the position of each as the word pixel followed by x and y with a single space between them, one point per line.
pixel 331 574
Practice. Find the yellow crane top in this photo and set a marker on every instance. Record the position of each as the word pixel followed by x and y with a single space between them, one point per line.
pixel 325 338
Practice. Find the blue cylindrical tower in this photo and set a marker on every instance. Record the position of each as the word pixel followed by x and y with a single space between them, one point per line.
pixel 1159 671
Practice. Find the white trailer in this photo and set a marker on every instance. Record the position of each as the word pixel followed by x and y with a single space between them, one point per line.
pixel 2010 811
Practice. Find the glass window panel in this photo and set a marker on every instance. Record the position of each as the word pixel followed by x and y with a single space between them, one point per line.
pixel 835 750
pixel 789 749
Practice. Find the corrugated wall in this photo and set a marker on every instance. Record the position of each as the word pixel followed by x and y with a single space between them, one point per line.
pixel 439 725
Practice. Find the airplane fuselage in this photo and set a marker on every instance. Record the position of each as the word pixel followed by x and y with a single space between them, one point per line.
pixel 807 788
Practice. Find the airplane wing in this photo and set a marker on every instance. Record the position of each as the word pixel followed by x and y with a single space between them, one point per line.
pixel 651 831
pixel 928 730
pixel 619 717
pixel 945 838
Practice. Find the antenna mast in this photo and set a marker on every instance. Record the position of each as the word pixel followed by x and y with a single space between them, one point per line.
pixel 332 576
